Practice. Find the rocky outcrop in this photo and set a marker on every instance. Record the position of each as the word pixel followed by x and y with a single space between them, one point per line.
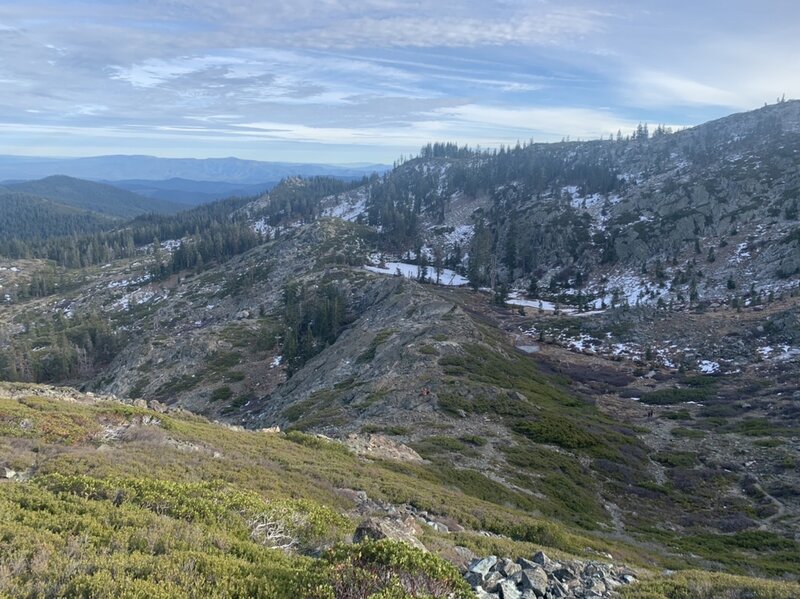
pixel 381 447
pixel 395 529
pixel 542 577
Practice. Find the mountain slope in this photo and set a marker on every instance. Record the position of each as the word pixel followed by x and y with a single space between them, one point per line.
pixel 672 216
pixel 94 197
pixel 288 333
pixel 254 515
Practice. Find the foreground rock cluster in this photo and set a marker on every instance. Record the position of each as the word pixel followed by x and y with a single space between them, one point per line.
pixel 502 578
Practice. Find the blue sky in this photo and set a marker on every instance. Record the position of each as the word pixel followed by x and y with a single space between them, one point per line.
pixel 343 81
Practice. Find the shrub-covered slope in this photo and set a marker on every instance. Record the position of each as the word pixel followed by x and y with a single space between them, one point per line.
pixel 105 499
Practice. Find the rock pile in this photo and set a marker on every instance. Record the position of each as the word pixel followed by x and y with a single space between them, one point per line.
pixel 541 577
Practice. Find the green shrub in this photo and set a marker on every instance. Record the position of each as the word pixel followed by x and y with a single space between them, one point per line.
pixel 221 394
pixel 475 440
pixel 439 444
pixel 676 459
pixel 666 397
pixel 687 433
pixel 389 570
pixel 385 429
pixel 558 431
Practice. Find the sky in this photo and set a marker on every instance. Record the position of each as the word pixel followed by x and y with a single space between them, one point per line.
pixel 366 81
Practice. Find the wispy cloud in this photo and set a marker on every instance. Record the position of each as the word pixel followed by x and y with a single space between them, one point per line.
pixel 543 123
pixel 374 78
pixel 663 89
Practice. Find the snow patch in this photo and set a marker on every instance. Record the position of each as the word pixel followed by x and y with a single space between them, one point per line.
pixel 708 367
pixel 127 282
pixel 349 206
pixel 412 271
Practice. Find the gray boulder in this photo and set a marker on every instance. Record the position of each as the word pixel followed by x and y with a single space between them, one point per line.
pixel 377 528
pixel 492 581
pixel 482 594
pixel 483 566
pixel 541 559
pixel 508 568
pixel 508 590
pixel 535 579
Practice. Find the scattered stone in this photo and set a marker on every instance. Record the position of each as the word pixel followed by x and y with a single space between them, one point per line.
pixel 544 578
pixel 157 406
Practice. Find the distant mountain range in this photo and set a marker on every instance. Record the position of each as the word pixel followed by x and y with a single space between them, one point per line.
pixel 192 193
pixel 151 168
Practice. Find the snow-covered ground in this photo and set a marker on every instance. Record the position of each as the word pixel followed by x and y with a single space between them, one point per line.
pixel 461 235
pixel 780 353
pixel 136 298
pixel 629 288
pixel 741 253
pixel 170 245
pixel 348 206
pixel 595 205
pixel 668 354
pixel 515 300
pixel 125 282
pixel 412 271
pixel 261 226
pixel 708 367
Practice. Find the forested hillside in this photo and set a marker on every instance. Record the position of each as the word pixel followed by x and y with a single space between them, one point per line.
pixel 216 228
pixel 27 217
pixel 94 197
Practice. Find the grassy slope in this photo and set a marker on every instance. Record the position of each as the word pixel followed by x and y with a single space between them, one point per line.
pixel 165 508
